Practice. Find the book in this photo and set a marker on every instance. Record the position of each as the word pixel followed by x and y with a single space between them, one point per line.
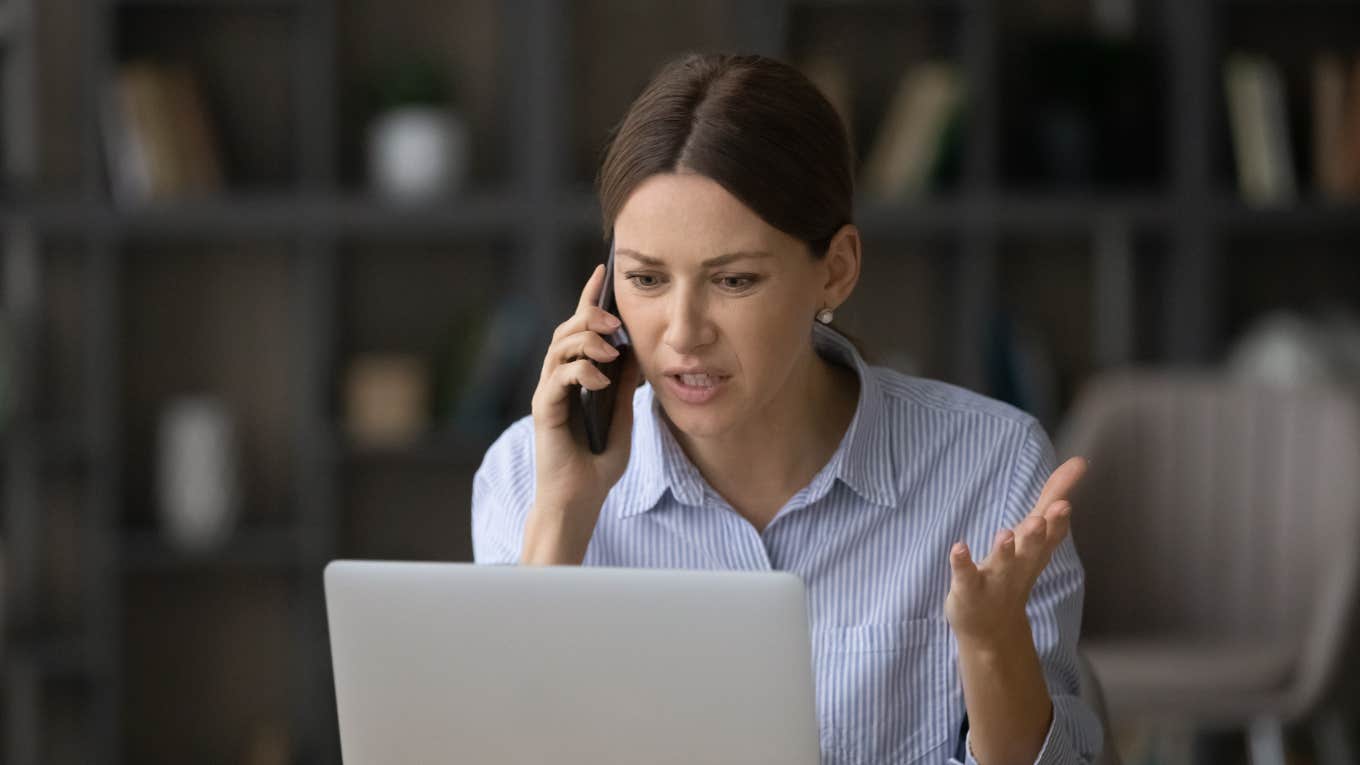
pixel 1281 157
pixel 153 119
pixel 197 161
pixel 1260 130
pixel 1351 155
pixel 832 78
pixel 1332 167
pixel 158 137
pixel 129 167
pixel 905 151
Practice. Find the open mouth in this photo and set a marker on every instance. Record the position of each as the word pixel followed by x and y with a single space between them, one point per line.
pixel 699 381
pixel 696 389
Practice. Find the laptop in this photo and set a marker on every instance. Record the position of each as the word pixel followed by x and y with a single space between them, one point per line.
pixel 467 663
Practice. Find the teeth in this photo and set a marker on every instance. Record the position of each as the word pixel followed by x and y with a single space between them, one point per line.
pixel 697 381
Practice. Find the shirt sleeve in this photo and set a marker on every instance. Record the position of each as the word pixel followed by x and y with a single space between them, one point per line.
pixel 1075 736
pixel 502 493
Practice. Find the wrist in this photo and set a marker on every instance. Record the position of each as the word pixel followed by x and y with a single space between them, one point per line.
pixel 1000 640
pixel 558 533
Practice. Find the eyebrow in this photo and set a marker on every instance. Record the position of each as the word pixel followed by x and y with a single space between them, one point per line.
pixel 721 260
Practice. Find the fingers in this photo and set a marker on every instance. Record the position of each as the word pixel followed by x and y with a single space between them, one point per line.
pixel 580 345
pixel 1059 516
pixel 588 314
pixel 581 372
pixel 590 318
pixel 1003 549
pixel 1031 536
pixel 555 388
pixel 1018 555
pixel 961 563
pixel 1061 483
pixel 590 294
pixel 1037 536
pixel 577 344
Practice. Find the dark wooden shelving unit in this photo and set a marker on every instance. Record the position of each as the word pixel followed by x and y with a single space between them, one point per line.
pixel 250 548
pixel 1148 264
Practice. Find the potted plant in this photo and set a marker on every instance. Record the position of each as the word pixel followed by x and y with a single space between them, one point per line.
pixel 417 140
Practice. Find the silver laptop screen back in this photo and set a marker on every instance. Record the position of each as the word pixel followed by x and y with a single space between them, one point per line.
pixel 503 664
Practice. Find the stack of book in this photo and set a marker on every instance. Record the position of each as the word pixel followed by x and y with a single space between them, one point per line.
pixel 908 153
pixel 910 147
pixel 1258 118
pixel 1336 126
pixel 158 135
pixel 1259 123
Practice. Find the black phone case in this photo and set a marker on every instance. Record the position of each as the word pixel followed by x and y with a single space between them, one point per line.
pixel 597 406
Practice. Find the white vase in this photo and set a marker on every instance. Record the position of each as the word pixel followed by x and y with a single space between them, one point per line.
pixel 198 480
pixel 417 153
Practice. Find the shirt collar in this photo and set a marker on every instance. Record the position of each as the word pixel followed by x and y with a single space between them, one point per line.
pixel 864 461
pixel 661 463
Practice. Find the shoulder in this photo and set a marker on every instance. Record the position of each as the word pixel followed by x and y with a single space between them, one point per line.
pixel 509 462
pixel 971 437
pixel 502 492
pixel 977 445
pixel 906 395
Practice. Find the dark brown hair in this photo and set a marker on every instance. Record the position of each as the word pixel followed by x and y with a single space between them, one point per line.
pixel 755 125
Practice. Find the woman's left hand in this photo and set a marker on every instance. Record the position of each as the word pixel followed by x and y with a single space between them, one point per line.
pixel 987 600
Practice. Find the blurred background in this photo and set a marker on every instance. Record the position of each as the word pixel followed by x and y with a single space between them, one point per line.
pixel 276 273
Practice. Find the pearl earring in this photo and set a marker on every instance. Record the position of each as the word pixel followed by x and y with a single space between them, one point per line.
pixel 825 315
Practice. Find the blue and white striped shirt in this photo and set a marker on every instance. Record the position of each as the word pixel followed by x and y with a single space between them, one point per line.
pixel 923 464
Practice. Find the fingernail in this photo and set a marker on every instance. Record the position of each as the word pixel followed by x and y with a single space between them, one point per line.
pixel 612 321
pixel 613 352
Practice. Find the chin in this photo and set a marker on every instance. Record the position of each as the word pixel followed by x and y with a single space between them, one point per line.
pixel 704 426
pixel 698 422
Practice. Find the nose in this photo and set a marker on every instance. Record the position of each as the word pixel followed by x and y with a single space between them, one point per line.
pixel 688 326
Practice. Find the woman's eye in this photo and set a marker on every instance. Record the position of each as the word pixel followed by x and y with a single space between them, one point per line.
pixel 738 282
pixel 643 281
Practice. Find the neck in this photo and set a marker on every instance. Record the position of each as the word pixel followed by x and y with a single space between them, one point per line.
pixel 780 449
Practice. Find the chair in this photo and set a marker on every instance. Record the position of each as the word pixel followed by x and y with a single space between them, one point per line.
pixel 1218 523
pixel 1094 696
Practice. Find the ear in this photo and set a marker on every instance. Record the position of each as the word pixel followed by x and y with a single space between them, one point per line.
pixel 841 265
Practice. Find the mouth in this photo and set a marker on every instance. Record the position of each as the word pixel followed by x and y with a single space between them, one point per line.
pixel 696 388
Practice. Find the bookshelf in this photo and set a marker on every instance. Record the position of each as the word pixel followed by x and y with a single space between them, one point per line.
pixel 113 308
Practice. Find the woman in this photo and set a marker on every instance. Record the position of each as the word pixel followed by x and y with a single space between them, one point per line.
pixel 762 440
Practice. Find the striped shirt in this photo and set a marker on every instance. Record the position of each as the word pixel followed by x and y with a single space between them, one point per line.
pixel 922 465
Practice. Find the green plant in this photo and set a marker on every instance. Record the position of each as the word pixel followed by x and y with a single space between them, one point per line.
pixel 414 80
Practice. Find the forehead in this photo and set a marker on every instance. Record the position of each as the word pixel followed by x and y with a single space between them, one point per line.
pixel 685 218
pixel 684 198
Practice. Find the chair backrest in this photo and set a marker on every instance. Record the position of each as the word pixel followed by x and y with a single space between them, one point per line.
pixel 1214 507
pixel 1094 695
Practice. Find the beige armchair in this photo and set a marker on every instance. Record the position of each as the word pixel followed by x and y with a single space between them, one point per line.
pixel 1218 525
pixel 1094 696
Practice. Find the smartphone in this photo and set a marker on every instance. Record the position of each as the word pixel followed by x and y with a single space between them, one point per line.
pixel 597 406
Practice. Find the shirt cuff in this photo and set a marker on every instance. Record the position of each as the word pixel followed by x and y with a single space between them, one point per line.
pixel 1048 753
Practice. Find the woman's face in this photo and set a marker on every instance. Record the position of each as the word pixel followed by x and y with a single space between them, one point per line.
pixel 705 286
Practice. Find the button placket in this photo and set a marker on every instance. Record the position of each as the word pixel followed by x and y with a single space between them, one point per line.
pixel 749 546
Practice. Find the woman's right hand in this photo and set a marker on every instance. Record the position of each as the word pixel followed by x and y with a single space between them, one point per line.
pixel 571 482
